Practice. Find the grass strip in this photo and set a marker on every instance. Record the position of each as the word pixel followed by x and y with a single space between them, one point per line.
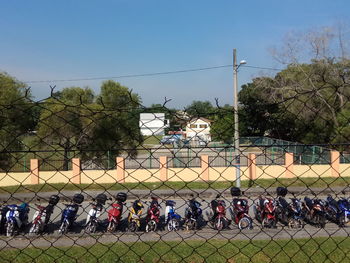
pixel 336 249
pixel 311 182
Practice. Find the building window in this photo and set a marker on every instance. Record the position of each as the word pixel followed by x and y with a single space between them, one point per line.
pixel 193 126
pixel 203 126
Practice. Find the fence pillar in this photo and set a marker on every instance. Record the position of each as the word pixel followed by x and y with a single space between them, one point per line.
pixel 76 178
pixel 289 165
pixel 120 169
pixel 205 167
pixel 163 168
pixel 335 163
pixel 252 166
pixel 34 171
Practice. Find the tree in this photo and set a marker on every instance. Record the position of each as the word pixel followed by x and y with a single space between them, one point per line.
pixel 222 128
pixel 118 129
pixel 75 121
pixel 200 109
pixel 301 103
pixel 304 101
pixel 66 122
pixel 15 118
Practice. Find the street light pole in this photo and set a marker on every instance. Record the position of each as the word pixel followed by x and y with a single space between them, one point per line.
pixel 235 115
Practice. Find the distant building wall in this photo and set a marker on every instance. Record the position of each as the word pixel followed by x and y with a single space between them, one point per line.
pixel 198 128
pixel 153 123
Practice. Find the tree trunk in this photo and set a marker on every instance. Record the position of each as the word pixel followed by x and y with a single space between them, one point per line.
pixel 65 156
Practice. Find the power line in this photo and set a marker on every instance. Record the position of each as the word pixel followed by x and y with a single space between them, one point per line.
pixel 266 68
pixel 146 74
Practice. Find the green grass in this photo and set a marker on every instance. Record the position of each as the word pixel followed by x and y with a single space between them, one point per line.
pixel 152 140
pixel 313 182
pixel 336 249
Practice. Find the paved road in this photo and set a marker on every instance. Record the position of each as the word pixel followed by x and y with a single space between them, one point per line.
pixel 78 237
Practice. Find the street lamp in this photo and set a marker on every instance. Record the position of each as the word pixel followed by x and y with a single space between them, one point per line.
pixel 235 112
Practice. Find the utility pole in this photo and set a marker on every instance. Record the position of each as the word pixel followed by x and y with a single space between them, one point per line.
pixel 235 115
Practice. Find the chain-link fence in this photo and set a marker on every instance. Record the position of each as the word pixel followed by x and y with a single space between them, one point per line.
pixel 86 178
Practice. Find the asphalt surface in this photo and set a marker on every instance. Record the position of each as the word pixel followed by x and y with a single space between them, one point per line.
pixel 170 193
pixel 77 235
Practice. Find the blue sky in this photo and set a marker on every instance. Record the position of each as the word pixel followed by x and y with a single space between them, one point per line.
pixel 46 40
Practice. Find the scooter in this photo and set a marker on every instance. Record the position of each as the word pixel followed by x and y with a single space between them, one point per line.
pixel 16 218
pixel 220 221
pixel 3 211
pixel 69 214
pixel 193 214
pixel 314 211
pixel 240 210
pixel 240 216
pixel 134 218
pixel 344 206
pixel 282 205
pixel 332 211
pixel 42 215
pixel 115 213
pixel 153 213
pixel 92 219
pixel 265 212
pixel 295 216
pixel 172 218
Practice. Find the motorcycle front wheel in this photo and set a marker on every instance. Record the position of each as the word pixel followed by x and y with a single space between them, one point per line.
pixel 173 225
pixel 10 229
pixel 320 220
pixel 244 223
pixel 63 228
pixel 191 225
pixel 35 229
pixel 220 224
pixel 90 228
pixel 132 226
pixel 151 226
pixel 111 226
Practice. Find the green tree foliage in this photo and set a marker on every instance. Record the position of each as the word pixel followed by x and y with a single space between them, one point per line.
pixel 118 126
pixel 200 109
pixel 16 118
pixel 73 120
pixel 222 128
pixel 304 102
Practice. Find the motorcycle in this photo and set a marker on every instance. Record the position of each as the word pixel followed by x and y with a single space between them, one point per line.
pixel 92 219
pixel 115 213
pixel 134 218
pixel 240 213
pixel 3 210
pixel 193 214
pixel 172 218
pixel 282 205
pixel 240 209
pixel 344 206
pixel 69 214
pixel 332 211
pixel 152 218
pixel 16 218
pixel 220 220
pixel 42 215
pixel 314 211
pixel 265 212
pixel 295 217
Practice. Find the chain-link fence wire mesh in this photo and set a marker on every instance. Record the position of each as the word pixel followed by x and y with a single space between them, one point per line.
pixel 101 178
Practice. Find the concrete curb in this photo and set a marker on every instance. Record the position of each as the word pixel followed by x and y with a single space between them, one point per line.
pixel 173 194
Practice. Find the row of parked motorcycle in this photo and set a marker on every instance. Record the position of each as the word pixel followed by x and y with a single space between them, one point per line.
pixel 268 212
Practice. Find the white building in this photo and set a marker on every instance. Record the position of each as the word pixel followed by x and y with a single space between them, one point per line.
pixel 198 129
pixel 153 123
